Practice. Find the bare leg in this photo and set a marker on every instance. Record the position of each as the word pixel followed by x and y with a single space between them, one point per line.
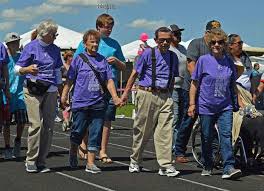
pixel 90 158
pixel 83 147
pixel 105 138
pixel 20 128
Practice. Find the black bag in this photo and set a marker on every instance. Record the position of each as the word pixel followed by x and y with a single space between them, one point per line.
pixel 38 88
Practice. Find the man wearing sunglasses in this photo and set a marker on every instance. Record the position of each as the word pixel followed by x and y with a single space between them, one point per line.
pixel 156 69
pixel 177 90
pixel 196 48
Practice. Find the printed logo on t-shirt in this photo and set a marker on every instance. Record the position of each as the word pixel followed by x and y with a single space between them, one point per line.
pixel 220 86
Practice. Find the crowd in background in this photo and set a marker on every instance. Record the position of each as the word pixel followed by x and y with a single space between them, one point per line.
pixel 212 80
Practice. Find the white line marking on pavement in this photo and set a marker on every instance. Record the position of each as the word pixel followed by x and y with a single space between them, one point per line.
pixel 145 169
pixel 84 181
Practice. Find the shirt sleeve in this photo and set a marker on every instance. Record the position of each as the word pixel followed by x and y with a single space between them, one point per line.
pixel 140 62
pixel 108 71
pixel 193 51
pixel 59 62
pixel 198 71
pixel 119 54
pixel 72 72
pixel 3 54
pixel 26 58
pixel 79 50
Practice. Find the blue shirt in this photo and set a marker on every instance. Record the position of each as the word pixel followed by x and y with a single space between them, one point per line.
pixel 107 47
pixel 3 57
pixel 16 86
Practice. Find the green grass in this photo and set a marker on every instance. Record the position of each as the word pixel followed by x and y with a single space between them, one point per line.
pixel 125 110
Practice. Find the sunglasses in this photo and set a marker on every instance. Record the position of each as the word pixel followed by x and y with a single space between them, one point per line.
pixel 239 42
pixel 162 40
pixel 54 35
pixel 220 42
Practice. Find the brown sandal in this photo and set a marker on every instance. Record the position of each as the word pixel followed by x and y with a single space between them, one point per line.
pixel 82 153
pixel 106 159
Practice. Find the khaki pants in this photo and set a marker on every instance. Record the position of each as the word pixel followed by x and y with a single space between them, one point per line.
pixel 41 114
pixel 154 113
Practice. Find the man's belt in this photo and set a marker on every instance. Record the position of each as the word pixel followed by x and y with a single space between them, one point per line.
pixel 154 90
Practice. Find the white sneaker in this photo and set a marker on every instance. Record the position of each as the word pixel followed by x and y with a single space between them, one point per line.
pixel 134 168
pixel 58 119
pixel 169 171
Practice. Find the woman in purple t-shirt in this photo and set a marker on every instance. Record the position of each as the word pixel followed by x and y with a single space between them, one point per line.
pixel 213 81
pixel 88 103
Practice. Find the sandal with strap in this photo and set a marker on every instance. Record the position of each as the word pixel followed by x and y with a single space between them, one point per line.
pixel 105 159
pixel 82 153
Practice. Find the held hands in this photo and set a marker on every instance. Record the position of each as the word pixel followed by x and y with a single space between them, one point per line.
pixel 124 97
pixel 32 69
pixel 118 102
pixel 64 102
pixel 191 111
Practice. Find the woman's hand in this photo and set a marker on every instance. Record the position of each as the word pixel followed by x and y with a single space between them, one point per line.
pixel 32 69
pixel 117 101
pixel 191 111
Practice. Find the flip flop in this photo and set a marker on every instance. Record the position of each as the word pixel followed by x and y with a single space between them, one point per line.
pixel 82 153
pixel 106 160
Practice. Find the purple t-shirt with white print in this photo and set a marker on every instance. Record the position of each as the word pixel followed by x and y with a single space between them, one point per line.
pixel 214 77
pixel 87 90
pixel 3 57
pixel 47 59
pixel 143 66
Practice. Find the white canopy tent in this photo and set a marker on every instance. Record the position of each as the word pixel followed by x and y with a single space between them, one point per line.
pixel 130 50
pixel 67 39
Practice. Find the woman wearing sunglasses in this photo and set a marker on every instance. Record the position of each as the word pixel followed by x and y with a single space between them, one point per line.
pixel 212 81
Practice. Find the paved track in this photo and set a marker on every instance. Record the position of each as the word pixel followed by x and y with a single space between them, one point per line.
pixel 115 176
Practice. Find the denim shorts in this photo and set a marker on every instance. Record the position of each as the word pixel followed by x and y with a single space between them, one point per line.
pixel 110 110
pixel 91 118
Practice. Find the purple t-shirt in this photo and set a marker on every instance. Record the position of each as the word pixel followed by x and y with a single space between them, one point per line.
pixel 47 59
pixel 87 90
pixel 214 78
pixel 143 66
pixel 3 57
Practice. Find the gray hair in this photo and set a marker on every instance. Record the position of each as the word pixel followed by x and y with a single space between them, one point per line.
pixel 46 27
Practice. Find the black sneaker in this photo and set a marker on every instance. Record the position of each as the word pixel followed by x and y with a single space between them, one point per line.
pixel 232 174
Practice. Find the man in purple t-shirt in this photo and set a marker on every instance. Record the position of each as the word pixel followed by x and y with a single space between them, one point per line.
pixel 154 102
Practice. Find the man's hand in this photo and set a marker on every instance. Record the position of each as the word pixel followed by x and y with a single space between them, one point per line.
pixel 32 69
pixel 124 97
pixel 191 111
pixel 117 101
pixel 111 60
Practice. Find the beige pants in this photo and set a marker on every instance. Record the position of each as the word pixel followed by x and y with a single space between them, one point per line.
pixel 154 113
pixel 41 114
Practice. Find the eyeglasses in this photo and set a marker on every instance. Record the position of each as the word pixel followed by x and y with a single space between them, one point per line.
pixel 220 42
pixel 54 35
pixel 239 42
pixel 162 40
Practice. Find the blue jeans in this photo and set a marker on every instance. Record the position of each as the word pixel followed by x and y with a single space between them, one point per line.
pixel 185 129
pixel 91 118
pixel 178 110
pixel 224 121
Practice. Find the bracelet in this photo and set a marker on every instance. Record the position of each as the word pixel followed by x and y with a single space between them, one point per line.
pixel 191 104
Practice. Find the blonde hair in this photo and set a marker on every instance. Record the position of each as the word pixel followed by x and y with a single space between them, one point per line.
pixel 217 32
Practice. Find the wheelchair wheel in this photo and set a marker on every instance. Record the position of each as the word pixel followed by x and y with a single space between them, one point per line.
pixel 197 146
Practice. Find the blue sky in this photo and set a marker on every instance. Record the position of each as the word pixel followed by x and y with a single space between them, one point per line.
pixel 135 16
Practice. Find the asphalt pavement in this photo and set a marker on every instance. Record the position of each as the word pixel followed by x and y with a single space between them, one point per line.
pixel 115 176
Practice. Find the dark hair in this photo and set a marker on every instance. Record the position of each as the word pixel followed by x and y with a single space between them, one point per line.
pixel 104 19
pixel 231 38
pixel 34 35
pixel 67 54
pixel 91 32
pixel 161 29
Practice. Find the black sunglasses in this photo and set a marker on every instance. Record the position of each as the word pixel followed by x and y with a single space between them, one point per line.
pixel 220 42
pixel 162 40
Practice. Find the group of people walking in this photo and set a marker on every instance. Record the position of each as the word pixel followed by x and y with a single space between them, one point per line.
pixel 174 86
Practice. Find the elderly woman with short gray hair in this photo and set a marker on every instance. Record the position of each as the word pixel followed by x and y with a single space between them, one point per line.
pixel 40 61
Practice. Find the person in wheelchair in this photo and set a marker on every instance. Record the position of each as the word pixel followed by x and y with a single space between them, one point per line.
pixel 247 119
pixel 213 81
